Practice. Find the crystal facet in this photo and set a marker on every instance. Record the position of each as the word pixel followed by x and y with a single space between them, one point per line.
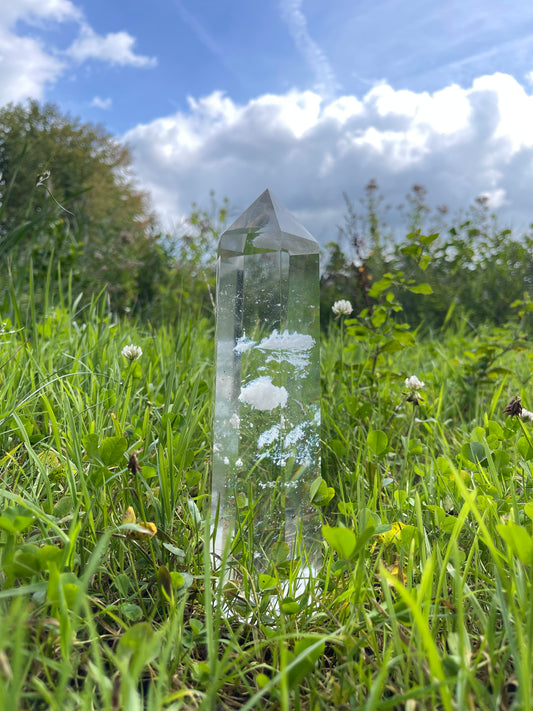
pixel 267 402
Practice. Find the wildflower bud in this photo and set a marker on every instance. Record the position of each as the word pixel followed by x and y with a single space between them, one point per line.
pixel 342 308
pixel 41 180
pixel 132 352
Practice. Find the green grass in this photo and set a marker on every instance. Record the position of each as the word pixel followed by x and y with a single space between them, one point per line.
pixel 424 599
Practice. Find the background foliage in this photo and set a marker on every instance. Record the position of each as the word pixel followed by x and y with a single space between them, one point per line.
pixel 107 239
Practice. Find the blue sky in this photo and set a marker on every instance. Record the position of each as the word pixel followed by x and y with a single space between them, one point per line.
pixel 307 97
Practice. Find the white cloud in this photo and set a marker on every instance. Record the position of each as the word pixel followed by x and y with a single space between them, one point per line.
pixel 115 48
pixel 38 10
pixel 458 142
pixel 100 103
pixel 27 67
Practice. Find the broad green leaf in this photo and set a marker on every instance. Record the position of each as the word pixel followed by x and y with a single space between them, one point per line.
pixel 528 510
pixel 379 286
pixel 377 441
pixel 139 645
pixel 379 317
pixel 267 582
pixel 474 452
pixel 25 561
pixel 289 606
pixel 306 660
pixel 15 524
pixel 112 450
pixel 320 493
pixel 49 555
pixel 428 239
pixel 131 612
pixel 335 444
pixel 421 289
pixel 90 443
pixel 342 540
pixel 279 552
pixel 518 540
pixel 525 448
pixel 181 581
pixel 406 338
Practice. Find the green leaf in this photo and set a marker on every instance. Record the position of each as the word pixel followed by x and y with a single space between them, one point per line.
pixel 139 645
pixel 181 581
pixel 279 552
pixel 424 262
pixel 289 606
pixel 379 286
pixel 267 582
pixel 25 561
pixel 13 522
pixel 474 452
pixel 518 540
pixel 421 289
pixel 131 612
pixel 406 338
pixel 90 443
pixel 528 510
pixel 112 450
pixel 320 493
pixel 49 555
pixel 164 582
pixel 525 448
pixel 335 444
pixel 342 540
pixel 171 548
pixel 378 317
pixel 377 441
pixel 307 660
pixel 428 239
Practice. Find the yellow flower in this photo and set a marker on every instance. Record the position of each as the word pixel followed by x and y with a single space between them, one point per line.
pixel 149 529
pixel 129 516
pixel 390 536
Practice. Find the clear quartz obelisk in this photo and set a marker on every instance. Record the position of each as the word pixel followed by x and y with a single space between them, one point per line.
pixel 267 403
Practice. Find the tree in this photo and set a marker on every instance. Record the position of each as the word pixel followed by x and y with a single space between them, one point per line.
pixel 86 182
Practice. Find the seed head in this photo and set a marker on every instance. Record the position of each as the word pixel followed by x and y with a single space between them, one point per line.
pixel 513 408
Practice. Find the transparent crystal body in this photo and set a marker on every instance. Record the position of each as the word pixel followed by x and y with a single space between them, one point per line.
pixel 267 400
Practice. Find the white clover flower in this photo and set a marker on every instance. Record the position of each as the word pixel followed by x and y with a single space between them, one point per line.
pixel 132 352
pixel 413 384
pixel 526 415
pixel 342 308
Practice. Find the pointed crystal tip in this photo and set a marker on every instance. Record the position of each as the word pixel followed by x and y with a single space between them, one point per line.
pixel 267 226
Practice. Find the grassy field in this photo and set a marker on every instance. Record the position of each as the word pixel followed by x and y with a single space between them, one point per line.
pixel 107 597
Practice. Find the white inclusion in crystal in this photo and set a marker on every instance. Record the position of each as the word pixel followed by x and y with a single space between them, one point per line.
pixel 287 341
pixel 269 437
pixel 226 460
pixel 293 437
pixel 262 394
pixel 291 347
pixel 300 442
pixel 235 421
pixel 243 344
